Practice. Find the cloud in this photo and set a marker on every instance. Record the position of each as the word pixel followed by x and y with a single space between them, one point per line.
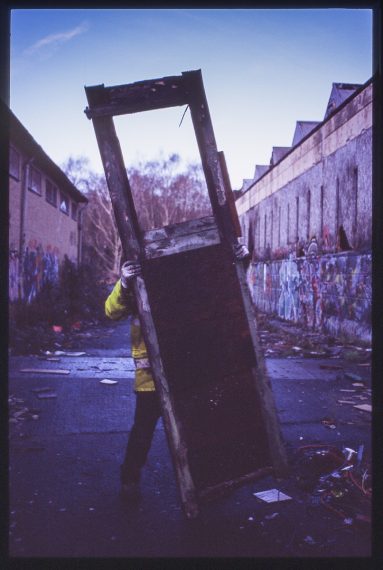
pixel 55 40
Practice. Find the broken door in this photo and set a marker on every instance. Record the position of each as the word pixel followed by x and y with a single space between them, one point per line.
pixel 195 308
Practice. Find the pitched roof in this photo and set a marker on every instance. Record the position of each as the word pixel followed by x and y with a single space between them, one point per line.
pixel 278 153
pixel 339 93
pixel 19 136
pixel 260 170
pixel 302 129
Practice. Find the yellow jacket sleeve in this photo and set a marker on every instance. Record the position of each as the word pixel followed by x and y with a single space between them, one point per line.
pixel 120 302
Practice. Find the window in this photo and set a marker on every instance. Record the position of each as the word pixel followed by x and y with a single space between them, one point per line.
pixel 50 193
pixel 74 211
pixel 14 163
pixel 64 204
pixel 34 182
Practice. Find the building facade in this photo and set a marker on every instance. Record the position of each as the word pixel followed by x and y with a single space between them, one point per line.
pixel 307 220
pixel 44 216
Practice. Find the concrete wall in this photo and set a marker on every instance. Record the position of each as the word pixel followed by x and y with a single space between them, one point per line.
pixel 323 183
pixel 319 194
pixel 330 293
pixel 48 235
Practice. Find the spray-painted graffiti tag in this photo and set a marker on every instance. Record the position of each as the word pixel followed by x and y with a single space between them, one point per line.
pixel 331 292
pixel 37 268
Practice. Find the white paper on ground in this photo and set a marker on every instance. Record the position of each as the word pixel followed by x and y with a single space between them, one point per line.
pixel 272 496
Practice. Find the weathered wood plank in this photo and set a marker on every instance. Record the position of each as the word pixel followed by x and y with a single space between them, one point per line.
pixel 229 194
pixel 136 97
pixel 180 229
pixel 262 383
pixel 196 312
pixel 210 493
pixel 181 243
pixel 203 128
pixel 126 220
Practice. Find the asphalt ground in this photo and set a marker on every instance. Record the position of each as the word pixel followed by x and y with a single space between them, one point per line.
pixel 66 448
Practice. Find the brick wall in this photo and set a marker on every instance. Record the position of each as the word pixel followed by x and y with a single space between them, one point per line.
pixel 48 236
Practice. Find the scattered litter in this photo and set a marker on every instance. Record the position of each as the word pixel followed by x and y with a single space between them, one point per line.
pixel 309 540
pixel 270 517
pixel 364 407
pixel 359 384
pixel 348 521
pixel 354 377
pixel 57 328
pixel 250 519
pixel 360 453
pixel 45 371
pixel 345 402
pixel 272 496
pixel 345 390
pixel 296 348
pixel 329 422
pixel 64 353
pixel 46 395
pixel 107 381
pixel 348 452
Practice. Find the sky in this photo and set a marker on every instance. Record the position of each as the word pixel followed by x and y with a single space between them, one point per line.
pixel 263 70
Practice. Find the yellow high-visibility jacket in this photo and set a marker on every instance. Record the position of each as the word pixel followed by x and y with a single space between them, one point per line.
pixel 120 304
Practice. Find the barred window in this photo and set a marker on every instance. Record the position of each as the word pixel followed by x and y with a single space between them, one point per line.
pixel 34 182
pixel 51 193
pixel 14 163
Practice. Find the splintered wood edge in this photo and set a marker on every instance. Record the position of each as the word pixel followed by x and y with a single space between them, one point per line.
pixel 210 493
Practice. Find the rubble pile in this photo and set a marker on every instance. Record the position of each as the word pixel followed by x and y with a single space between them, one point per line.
pixel 284 339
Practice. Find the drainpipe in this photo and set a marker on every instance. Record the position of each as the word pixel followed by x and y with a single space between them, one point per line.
pixel 79 233
pixel 23 210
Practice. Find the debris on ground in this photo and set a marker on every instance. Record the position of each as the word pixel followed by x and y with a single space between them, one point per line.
pixel 64 353
pixel 364 407
pixel 46 395
pixel 281 338
pixel 338 480
pixel 354 377
pixel 44 371
pixel 272 496
pixel 107 381
pixel 18 412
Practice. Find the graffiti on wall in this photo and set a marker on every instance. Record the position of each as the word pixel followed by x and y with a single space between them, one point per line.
pixel 328 292
pixel 14 275
pixel 37 267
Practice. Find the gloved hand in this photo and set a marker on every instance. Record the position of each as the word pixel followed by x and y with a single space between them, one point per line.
pixel 129 270
pixel 241 252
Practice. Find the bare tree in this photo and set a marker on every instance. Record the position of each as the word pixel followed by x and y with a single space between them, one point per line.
pixel 164 193
pixel 101 242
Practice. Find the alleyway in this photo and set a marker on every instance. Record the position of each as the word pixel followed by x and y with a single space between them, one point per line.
pixel 68 430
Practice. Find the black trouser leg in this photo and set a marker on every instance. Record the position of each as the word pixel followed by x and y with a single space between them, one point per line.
pixel 146 416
